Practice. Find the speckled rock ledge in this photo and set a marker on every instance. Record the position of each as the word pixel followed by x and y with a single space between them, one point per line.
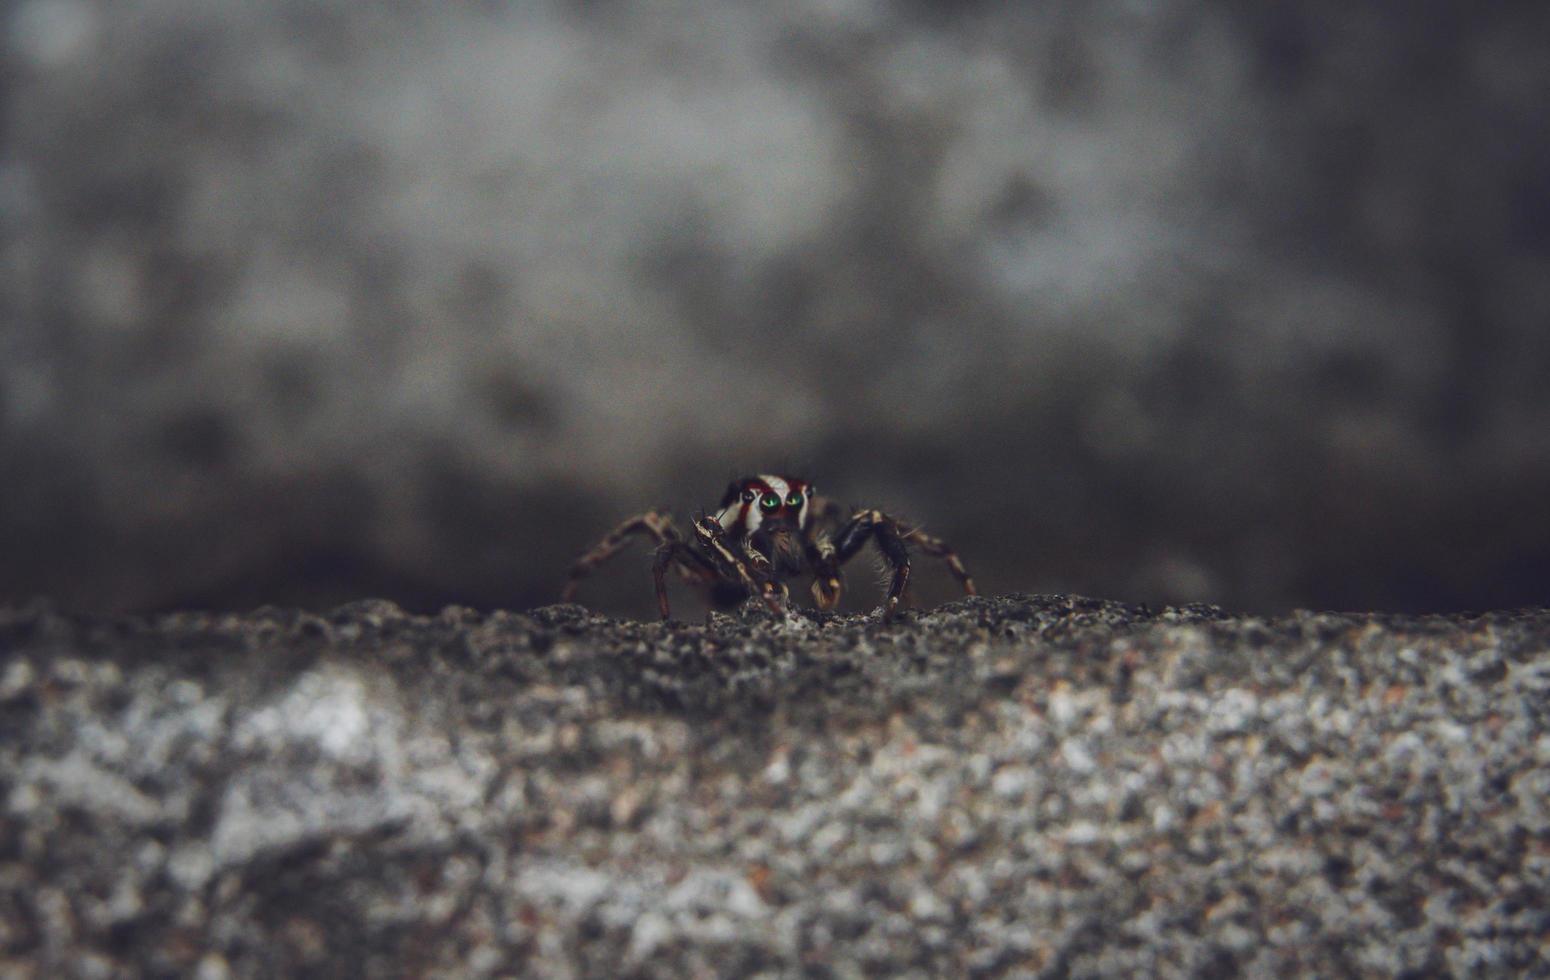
pixel 1028 785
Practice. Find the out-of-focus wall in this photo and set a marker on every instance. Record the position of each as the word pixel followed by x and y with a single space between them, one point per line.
pixel 305 300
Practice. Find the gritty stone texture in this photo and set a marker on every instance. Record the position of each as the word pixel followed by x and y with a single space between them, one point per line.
pixel 1026 785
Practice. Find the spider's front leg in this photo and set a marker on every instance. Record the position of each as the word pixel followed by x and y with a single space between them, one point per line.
pixel 891 536
pixel 749 569
pixel 884 530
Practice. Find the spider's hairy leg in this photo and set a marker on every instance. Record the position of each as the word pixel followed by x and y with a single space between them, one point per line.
pixel 657 525
pixel 751 570
pixel 885 530
pixel 891 536
pixel 891 544
pixel 938 548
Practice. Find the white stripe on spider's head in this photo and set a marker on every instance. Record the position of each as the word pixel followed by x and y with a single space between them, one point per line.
pixel 786 487
pixel 760 485
pixel 777 484
pixel 745 514
pixel 741 517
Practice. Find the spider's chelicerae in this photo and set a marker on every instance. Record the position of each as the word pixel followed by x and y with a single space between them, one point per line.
pixel 769 529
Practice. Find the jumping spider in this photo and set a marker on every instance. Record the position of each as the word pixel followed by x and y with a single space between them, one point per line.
pixel 767 529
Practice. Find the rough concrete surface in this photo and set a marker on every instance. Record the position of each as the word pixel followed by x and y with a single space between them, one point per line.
pixel 1025 785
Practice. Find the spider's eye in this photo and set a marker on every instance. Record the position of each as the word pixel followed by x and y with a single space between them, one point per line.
pixel 747 496
pixel 794 499
pixel 769 501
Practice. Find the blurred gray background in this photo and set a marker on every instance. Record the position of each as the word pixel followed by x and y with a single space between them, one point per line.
pixel 309 300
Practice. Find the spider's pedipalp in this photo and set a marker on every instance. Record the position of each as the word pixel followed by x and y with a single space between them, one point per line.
pixel 748 568
pixel 828 583
pixel 827 591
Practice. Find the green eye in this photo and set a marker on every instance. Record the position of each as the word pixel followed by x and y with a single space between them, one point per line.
pixel 794 499
pixel 769 501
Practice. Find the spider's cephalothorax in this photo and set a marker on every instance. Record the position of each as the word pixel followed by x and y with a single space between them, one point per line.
pixel 769 529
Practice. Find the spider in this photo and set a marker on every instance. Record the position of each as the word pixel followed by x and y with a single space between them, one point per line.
pixel 768 529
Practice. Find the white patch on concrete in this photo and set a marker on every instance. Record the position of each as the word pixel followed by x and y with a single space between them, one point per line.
pixel 326 707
